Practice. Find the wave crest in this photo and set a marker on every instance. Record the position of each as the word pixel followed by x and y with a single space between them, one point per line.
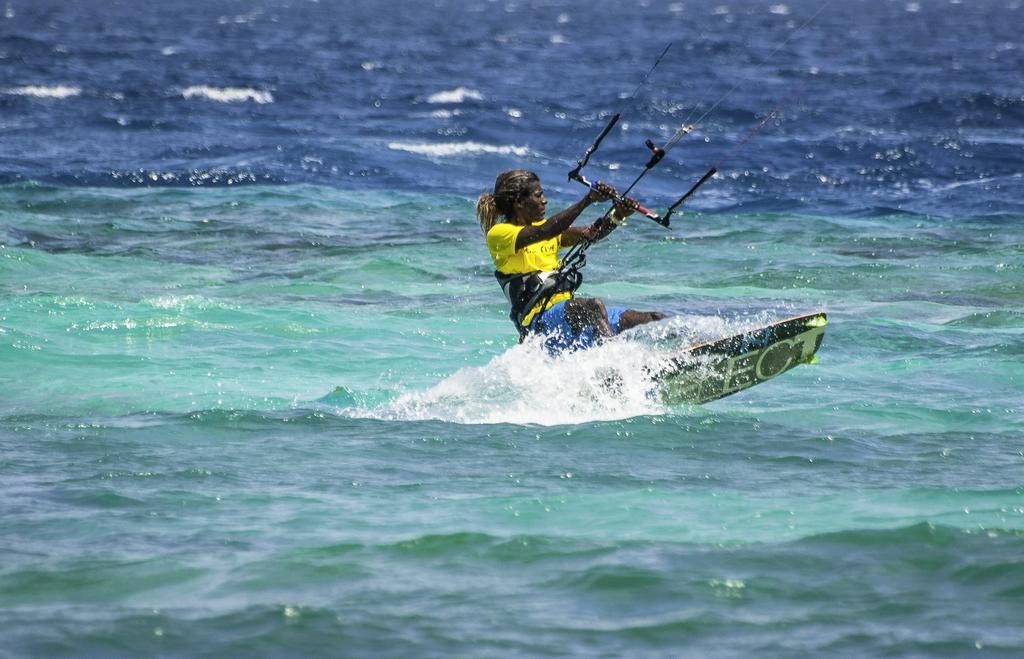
pixel 228 94
pixel 457 95
pixel 45 91
pixel 458 149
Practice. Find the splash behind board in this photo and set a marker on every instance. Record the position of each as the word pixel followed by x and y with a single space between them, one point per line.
pixel 712 370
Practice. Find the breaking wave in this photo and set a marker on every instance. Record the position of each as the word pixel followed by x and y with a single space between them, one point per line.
pixel 458 149
pixel 228 94
pixel 457 95
pixel 45 91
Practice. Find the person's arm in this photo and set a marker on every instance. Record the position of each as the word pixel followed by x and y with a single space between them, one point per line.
pixel 573 235
pixel 602 226
pixel 561 221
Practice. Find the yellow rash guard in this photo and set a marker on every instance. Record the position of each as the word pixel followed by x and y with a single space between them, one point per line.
pixel 541 255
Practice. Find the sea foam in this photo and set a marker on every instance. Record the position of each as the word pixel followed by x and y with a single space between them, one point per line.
pixel 457 95
pixel 228 94
pixel 526 385
pixel 45 91
pixel 458 149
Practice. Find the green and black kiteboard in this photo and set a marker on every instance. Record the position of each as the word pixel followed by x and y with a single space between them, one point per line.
pixel 711 370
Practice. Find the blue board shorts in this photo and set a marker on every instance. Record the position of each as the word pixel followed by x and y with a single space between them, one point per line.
pixel 558 334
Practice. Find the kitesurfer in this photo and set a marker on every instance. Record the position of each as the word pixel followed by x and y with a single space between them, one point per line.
pixel 524 249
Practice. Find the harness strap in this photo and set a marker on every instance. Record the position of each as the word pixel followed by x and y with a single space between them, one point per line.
pixel 526 290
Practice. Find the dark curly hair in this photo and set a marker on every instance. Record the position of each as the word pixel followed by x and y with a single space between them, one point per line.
pixel 509 187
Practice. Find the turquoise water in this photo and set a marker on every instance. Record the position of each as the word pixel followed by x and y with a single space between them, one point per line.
pixel 230 425
pixel 259 394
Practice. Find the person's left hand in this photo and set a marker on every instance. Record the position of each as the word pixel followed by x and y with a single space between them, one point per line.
pixel 601 192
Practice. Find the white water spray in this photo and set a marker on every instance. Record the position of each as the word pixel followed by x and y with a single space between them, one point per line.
pixel 526 385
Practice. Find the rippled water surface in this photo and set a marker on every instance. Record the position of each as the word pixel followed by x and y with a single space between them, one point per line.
pixel 259 394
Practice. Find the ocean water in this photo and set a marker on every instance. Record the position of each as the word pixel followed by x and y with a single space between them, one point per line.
pixel 259 395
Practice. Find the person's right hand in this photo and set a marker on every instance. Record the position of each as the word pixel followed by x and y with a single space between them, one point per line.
pixel 627 207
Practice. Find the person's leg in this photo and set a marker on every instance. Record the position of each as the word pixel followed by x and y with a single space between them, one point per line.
pixel 581 322
pixel 574 324
pixel 552 325
pixel 582 313
pixel 631 318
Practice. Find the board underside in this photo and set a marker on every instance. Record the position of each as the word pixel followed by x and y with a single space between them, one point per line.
pixel 708 371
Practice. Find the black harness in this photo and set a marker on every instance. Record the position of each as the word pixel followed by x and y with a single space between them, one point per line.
pixel 526 290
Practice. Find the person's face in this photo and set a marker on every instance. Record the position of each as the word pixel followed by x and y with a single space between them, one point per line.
pixel 530 207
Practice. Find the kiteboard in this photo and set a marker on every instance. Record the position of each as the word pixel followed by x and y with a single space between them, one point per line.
pixel 709 371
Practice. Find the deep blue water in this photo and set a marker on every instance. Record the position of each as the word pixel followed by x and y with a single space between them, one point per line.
pixel 259 394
